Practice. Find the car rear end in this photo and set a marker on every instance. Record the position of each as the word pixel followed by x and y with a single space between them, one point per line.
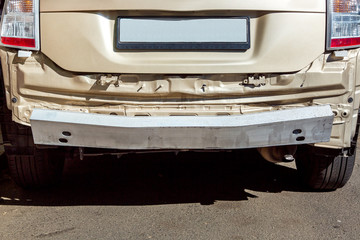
pixel 180 75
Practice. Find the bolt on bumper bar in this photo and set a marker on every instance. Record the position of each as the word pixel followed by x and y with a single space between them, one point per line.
pixel 284 127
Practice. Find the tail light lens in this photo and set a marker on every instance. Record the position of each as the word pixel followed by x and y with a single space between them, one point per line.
pixel 20 24
pixel 343 24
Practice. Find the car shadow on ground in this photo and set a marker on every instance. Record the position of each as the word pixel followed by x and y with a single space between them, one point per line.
pixel 162 178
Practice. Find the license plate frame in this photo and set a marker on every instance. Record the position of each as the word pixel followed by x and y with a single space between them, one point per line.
pixel 127 36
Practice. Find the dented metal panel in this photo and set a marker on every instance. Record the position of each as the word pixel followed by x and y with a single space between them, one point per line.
pixel 285 127
pixel 37 82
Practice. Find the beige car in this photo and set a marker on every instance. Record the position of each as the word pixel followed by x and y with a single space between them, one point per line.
pixel 121 76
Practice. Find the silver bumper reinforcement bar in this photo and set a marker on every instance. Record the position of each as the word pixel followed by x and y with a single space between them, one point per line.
pixel 284 127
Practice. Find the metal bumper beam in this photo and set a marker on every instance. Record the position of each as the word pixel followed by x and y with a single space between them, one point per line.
pixel 284 127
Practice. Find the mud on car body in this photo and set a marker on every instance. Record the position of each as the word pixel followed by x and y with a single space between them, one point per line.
pixel 128 76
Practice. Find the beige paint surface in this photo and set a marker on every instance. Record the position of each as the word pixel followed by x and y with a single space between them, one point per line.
pixel 280 42
pixel 183 5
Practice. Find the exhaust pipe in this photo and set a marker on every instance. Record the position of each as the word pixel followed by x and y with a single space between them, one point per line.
pixel 278 154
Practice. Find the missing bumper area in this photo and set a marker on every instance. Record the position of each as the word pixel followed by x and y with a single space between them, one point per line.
pixel 276 128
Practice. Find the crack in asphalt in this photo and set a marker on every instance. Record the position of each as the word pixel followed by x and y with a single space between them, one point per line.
pixel 51 234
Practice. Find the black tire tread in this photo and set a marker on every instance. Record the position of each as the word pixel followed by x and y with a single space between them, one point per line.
pixel 29 166
pixel 325 169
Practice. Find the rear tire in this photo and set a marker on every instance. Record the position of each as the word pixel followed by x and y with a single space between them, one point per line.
pixel 29 166
pixel 325 169
pixel 37 170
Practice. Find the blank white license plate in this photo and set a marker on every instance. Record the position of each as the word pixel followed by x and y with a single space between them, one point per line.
pixel 183 33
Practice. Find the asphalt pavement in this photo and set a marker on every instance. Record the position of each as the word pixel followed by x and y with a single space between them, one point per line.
pixel 185 196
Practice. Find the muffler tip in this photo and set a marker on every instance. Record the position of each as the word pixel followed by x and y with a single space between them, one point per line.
pixel 278 154
pixel 288 158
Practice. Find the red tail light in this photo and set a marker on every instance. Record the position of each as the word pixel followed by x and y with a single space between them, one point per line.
pixel 343 24
pixel 20 24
